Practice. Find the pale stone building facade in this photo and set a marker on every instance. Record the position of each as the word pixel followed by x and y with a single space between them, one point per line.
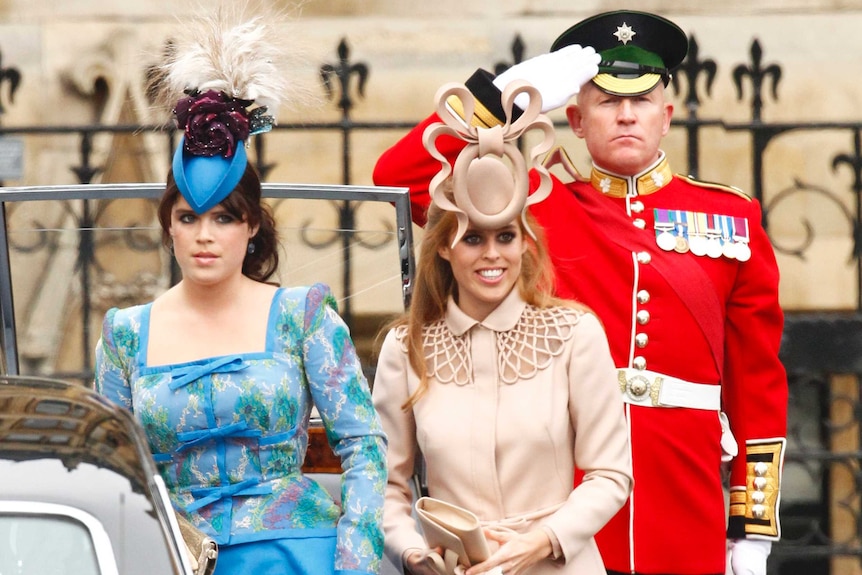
pixel 83 62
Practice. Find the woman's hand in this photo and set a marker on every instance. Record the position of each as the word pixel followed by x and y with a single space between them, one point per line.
pixel 517 552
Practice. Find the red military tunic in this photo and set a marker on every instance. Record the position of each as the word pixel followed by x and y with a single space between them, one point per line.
pixel 711 321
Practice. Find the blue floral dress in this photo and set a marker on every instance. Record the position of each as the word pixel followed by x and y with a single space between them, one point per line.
pixel 230 432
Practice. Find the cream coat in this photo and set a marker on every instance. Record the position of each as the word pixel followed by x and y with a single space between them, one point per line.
pixel 516 402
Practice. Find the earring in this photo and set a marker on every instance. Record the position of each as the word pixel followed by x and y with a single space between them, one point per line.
pixel 251 247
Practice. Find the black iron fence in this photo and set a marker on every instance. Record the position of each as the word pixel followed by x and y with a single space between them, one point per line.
pixel 821 350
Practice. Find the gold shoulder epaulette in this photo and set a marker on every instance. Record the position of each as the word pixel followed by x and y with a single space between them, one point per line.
pixel 558 156
pixel 714 186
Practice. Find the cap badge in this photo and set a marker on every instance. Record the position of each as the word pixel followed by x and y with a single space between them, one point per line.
pixel 624 33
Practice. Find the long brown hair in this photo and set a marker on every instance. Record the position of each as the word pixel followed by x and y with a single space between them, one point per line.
pixel 435 283
pixel 244 203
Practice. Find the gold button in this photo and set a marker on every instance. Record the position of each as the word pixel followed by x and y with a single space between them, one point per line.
pixel 643 296
pixel 760 468
pixel 639 223
pixel 639 362
pixel 758 511
pixel 637 206
pixel 644 257
pixel 641 340
pixel 642 317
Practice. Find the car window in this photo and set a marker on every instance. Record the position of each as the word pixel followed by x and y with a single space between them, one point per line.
pixel 52 539
pixel 348 237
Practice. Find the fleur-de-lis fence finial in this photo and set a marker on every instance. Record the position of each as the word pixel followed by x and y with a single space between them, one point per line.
pixel 342 72
pixel 518 49
pixel 758 74
pixel 12 77
pixel 692 68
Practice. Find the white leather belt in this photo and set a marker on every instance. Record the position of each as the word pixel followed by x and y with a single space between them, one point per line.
pixel 651 389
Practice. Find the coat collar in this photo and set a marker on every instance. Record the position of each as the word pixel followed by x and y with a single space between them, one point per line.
pixel 650 180
pixel 503 318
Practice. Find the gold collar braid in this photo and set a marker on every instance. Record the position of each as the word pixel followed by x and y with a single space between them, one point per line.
pixel 647 182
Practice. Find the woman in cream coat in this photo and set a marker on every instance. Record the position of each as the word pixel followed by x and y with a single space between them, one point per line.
pixel 502 388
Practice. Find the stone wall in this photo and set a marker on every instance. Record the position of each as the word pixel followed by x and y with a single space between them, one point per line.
pixel 82 62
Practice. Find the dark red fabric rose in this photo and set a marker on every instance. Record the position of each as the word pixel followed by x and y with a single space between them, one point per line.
pixel 213 123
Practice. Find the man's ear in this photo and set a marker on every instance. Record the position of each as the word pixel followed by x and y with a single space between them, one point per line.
pixel 573 115
pixel 668 115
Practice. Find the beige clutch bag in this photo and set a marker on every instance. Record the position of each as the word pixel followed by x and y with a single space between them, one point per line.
pixel 454 528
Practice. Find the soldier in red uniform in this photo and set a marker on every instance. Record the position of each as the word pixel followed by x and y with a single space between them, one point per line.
pixel 684 278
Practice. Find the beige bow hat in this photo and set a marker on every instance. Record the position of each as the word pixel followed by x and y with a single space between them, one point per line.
pixel 490 179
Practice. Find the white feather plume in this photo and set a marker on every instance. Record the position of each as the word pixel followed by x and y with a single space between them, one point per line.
pixel 223 50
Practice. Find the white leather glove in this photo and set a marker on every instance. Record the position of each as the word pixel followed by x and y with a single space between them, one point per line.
pixel 556 75
pixel 748 556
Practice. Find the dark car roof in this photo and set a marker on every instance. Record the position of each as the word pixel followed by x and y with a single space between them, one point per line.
pixel 50 418
pixel 62 443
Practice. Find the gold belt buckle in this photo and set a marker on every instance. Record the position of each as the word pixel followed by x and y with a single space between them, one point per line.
pixel 637 386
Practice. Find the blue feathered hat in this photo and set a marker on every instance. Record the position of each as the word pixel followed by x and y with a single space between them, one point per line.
pixel 224 65
pixel 211 157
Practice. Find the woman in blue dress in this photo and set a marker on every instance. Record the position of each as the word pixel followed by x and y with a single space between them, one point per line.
pixel 223 369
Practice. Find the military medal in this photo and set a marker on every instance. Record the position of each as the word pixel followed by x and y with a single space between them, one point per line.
pixel 728 249
pixel 663 227
pixel 741 239
pixel 680 242
pixel 696 237
pixel 697 245
pixel 713 247
pixel 665 240
pixel 713 243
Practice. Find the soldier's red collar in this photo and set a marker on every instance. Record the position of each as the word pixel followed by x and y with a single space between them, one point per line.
pixel 650 180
